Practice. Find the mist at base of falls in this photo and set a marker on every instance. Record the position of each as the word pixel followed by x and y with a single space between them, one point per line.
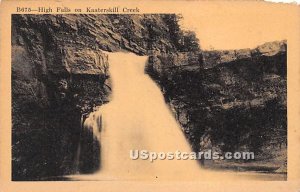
pixel 137 118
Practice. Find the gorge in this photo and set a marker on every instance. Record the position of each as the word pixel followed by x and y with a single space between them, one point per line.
pixel 61 76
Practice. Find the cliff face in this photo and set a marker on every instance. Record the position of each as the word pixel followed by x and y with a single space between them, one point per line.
pixel 53 84
pixel 60 74
pixel 229 100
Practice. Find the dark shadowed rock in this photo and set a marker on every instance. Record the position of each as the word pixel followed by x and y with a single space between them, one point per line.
pixel 237 98
pixel 60 74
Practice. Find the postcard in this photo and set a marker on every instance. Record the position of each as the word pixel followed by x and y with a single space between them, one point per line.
pixel 149 95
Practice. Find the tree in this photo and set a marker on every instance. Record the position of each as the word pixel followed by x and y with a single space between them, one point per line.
pixel 190 41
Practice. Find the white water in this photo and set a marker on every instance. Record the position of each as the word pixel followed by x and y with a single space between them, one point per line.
pixel 138 118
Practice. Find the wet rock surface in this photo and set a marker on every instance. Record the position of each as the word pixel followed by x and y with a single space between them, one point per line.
pixel 235 100
pixel 60 74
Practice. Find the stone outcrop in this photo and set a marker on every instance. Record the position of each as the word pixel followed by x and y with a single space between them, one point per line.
pixel 235 99
pixel 213 58
pixel 60 74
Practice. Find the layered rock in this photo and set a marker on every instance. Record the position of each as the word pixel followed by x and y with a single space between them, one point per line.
pixel 60 75
pixel 53 85
pixel 232 100
pixel 213 58
pixel 235 99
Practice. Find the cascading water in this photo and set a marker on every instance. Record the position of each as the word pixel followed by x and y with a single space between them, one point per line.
pixel 90 124
pixel 138 118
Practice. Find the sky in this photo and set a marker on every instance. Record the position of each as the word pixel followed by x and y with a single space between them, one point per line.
pixel 224 26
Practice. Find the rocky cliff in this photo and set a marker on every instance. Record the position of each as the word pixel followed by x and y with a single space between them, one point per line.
pixel 230 100
pixel 60 74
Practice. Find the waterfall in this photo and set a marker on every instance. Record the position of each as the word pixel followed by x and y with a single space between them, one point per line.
pixel 137 118
pixel 90 123
pixel 93 123
pixel 77 156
